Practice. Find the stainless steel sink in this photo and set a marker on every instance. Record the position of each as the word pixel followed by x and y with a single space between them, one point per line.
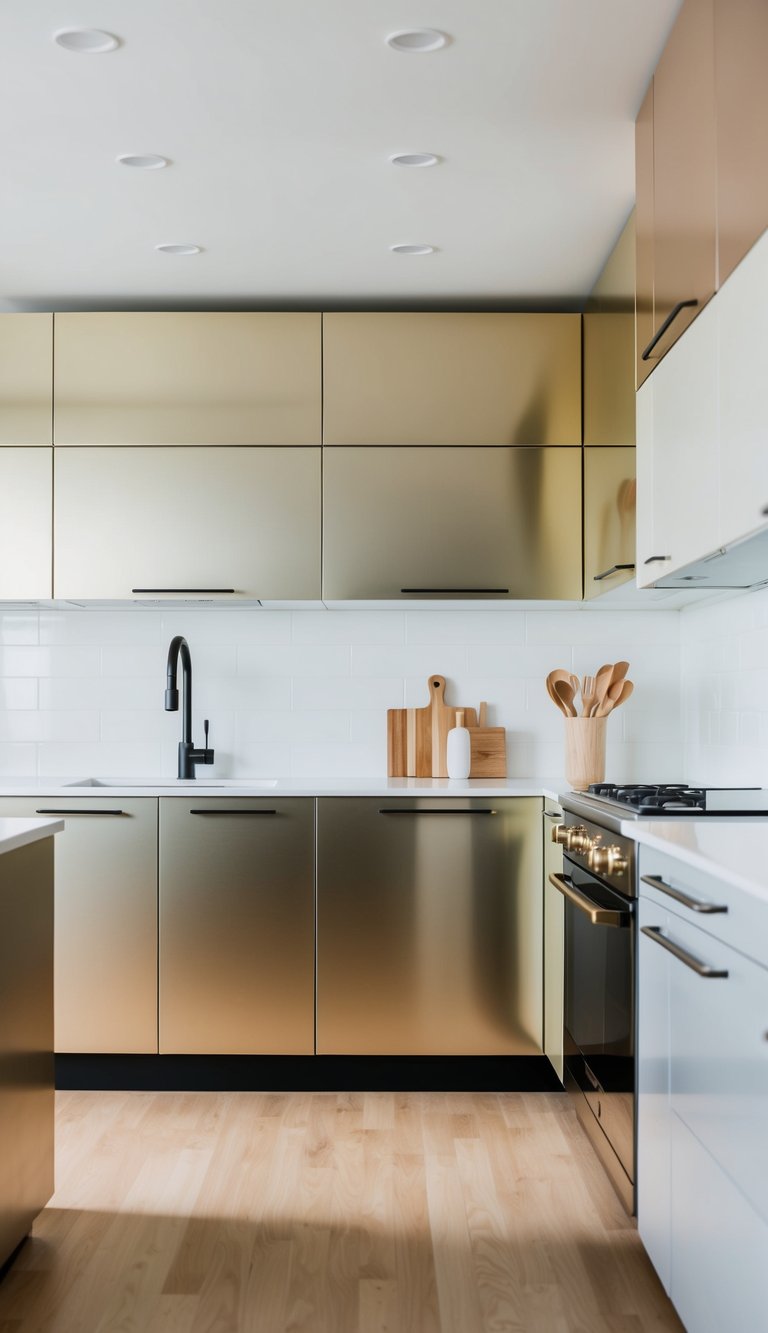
pixel 254 784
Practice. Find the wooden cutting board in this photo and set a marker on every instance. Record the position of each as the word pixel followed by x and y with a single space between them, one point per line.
pixel 417 737
pixel 488 751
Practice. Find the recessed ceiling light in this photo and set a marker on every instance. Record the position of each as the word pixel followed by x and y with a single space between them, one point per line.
pixel 179 249
pixel 414 159
pixel 413 249
pixel 418 39
pixel 143 161
pixel 86 41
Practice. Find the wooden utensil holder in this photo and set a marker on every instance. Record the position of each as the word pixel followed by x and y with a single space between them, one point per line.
pixel 585 750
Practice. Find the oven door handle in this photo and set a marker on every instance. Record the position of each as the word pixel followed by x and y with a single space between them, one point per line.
pixel 598 915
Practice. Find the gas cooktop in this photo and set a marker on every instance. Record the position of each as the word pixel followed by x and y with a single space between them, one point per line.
pixel 677 799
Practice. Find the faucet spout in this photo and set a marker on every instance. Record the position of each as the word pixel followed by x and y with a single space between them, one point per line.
pixel 188 755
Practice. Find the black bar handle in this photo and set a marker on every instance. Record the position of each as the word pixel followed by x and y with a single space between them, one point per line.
pixel 180 590
pixel 79 812
pixel 233 812
pixel 695 904
pixel 461 592
pixel 652 559
pixel 696 965
pixel 606 574
pixel 673 314
pixel 405 811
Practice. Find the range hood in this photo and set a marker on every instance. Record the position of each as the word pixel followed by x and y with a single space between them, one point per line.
pixel 743 564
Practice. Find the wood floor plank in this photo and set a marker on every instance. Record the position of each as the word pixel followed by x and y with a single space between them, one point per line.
pixel 329 1213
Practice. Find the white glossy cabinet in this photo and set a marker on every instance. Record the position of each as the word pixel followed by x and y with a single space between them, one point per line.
pixel 678 451
pixel 703 1094
pixel 743 465
pixel 135 521
pixel 702 426
pixel 25 523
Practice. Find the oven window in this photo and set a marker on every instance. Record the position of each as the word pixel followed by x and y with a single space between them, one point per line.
pixel 599 986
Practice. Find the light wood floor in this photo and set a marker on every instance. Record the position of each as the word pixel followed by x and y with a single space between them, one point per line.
pixel 352 1213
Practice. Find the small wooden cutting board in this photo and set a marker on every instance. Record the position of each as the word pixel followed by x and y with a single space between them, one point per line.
pixel 417 738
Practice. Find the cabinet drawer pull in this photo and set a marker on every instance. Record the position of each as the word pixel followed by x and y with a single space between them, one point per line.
pixel 184 590
pixel 673 314
pixel 652 559
pixel 557 819
pixel 598 915
pixel 606 574
pixel 404 811
pixel 457 592
pixel 233 812
pixel 695 964
pixel 78 812
pixel 695 904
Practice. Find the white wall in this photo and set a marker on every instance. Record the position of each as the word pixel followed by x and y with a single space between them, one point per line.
pixel 305 693
pixel 724 665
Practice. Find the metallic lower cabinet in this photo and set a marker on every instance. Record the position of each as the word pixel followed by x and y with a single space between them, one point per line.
pixel 26 1039
pixel 554 942
pixel 106 921
pixel 237 918
pixel 429 926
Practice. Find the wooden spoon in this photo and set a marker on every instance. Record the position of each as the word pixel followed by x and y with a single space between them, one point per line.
pixel 565 692
pixel 602 681
pixel 620 670
pixel 617 695
pixel 555 698
pixel 624 693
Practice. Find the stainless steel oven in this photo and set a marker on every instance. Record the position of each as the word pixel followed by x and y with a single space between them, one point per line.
pixel 597 884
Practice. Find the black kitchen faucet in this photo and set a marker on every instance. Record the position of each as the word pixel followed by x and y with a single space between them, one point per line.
pixel 188 755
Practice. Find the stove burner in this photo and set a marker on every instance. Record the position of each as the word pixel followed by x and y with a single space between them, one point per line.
pixel 647 798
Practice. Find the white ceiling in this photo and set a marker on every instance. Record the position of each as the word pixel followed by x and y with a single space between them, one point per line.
pixel 279 117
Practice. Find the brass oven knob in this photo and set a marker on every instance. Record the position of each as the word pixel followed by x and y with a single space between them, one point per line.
pixel 579 840
pixel 607 860
pixel 560 833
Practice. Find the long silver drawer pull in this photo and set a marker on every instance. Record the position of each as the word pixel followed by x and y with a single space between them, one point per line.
pixel 404 811
pixel 233 812
pixel 695 904
pixel 78 812
pixel 599 916
pixel 690 960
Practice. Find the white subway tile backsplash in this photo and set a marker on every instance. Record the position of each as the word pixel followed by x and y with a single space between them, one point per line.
pixel 465 627
pixel 49 661
pixel 18 693
pixel 305 692
pixel 18 761
pixel 348 627
pixel 18 627
pixel 98 759
pixel 298 660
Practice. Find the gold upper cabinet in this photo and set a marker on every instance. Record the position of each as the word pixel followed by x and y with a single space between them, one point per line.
pixel 26 353
pixel 188 378
pixel 609 348
pixel 451 379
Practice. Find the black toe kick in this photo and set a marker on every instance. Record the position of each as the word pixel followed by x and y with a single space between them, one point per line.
pixel 306 1073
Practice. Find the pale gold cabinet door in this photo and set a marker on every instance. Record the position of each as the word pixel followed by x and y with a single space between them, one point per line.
pixel 460 522
pixel 609 348
pixel 741 95
pixel 684 173
pixel 26 516
pixel 243 521
pixel 105 972
pixel 429 927
pixel 437 379
pixel 610 502
pixel 554 943
pixel 237 926
pixel 644 310
pixel 26 361
pixel 188 378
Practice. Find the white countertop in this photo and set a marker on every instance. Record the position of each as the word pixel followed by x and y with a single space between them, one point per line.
pixel 733 849
pixel 63 788
pixel 15 833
